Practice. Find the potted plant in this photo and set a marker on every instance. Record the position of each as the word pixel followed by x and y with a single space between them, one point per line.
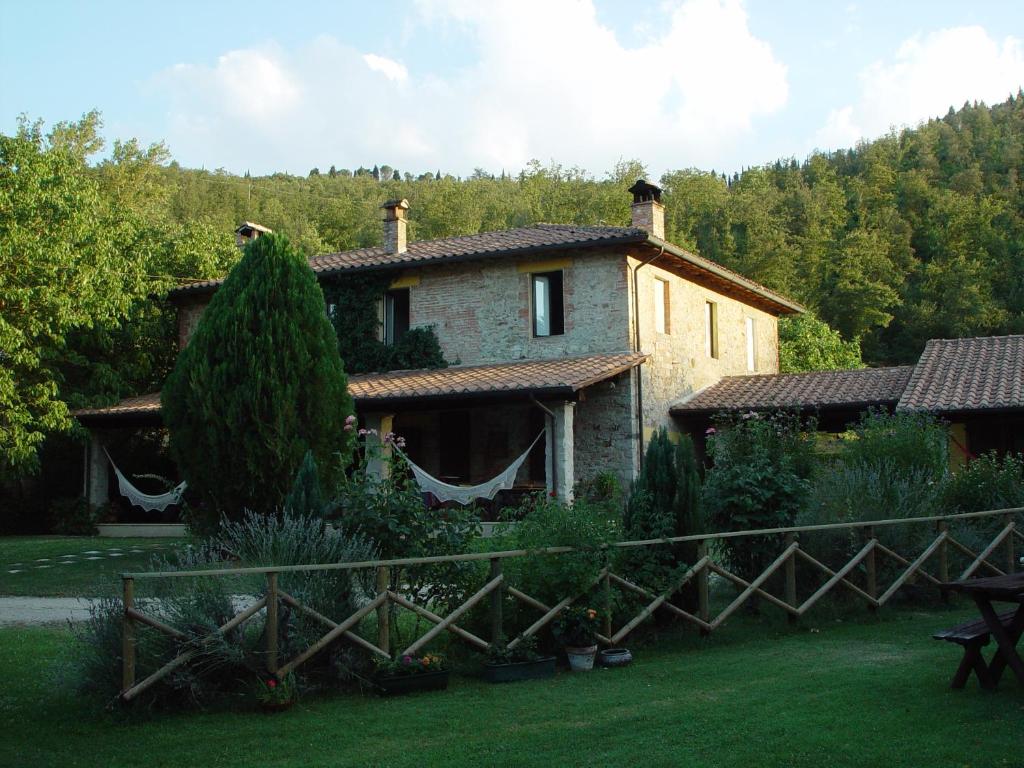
pixel 276 695
pixel 520 663
pixel 576 630
pixel 408 674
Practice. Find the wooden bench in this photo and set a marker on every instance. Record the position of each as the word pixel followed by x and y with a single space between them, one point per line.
pixel 973 636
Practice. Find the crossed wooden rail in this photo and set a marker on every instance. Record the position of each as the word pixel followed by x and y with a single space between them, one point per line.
pixel 496 589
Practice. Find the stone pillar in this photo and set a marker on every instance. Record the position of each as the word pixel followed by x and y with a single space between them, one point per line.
pixel 378 465
pixel 563 453
pixel 97 487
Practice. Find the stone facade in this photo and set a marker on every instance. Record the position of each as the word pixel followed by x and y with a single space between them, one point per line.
pixel 481 311
pixel 605 428
pixel 679 364
pixel 189 313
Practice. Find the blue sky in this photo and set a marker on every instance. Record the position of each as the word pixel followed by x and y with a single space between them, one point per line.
pixel 460 84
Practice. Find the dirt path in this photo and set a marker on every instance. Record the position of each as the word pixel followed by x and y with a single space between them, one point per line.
pixel 42 610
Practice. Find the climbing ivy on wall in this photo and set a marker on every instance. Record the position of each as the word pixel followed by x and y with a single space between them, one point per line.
pixel 353 303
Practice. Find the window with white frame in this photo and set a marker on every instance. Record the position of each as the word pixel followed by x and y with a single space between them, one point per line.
pixel 662 306
pixel 711 328
pixel 548 304
pixel 751 344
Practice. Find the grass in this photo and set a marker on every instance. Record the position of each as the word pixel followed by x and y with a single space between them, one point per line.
pixel 80 578
pixel 871 692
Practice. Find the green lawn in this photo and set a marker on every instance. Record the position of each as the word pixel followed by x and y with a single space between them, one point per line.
pixel 862 693
pixel 78 578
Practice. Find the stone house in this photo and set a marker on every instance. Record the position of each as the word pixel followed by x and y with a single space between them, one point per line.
pixel 587 334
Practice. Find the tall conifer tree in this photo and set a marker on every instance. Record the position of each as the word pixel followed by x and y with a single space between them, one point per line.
pixel 259 385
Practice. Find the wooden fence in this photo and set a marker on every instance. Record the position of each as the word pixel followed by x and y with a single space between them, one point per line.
pixel 864 564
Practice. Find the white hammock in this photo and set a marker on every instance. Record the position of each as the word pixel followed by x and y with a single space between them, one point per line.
pixel 145 500
pixel 464 494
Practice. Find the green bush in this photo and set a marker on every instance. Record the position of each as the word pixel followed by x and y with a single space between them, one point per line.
pixel 759 479
pixel 899 442
pixel 987 482
pixel 73 517
pixel 665 501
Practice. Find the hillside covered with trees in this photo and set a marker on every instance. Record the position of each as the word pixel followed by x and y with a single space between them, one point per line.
pixel 916 235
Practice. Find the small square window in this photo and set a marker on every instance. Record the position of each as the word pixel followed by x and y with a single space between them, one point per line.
pixel 396 315
pixel 548 304
pixel 711 329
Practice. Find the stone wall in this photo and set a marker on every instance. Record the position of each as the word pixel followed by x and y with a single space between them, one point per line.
pixel 605 430
pixel 189 313
pixel 481 310
pixel 679 364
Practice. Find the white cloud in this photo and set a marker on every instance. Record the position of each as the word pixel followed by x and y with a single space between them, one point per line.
pixel 546 80
pixel 926 76
pixel 390 68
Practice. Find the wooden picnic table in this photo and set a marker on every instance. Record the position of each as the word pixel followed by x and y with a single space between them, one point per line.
pixel 999 589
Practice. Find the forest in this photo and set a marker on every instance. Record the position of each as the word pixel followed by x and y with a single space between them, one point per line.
pixel 916 235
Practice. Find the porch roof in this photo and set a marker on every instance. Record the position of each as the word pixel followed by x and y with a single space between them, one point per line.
pixel 562 377
pixel 804 391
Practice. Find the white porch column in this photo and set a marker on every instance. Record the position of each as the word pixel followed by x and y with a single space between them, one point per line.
pixel 378 464
pixel 563 453
pixel 97 491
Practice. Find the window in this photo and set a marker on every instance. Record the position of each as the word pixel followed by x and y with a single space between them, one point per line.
pixel 548 306
pixel 711 328
pixel 751 345
pixel 662 306
pixel 396 315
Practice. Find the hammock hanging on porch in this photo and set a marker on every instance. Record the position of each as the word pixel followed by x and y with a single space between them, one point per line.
pixel 146 501
pixel 464 494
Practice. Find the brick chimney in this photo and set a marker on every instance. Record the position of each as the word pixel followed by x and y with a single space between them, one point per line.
pixel 394 225
pixel 648 212
pixel 247 231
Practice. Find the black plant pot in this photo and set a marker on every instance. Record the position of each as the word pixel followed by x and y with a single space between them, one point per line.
pixel 520 670
pixel 426 681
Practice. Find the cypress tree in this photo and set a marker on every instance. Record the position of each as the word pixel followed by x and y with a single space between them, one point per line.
pixel 260 384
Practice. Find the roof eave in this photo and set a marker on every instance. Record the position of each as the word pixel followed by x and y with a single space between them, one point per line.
pixel 785 306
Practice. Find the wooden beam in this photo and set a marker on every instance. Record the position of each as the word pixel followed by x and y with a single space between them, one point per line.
pixel 333 635
pixel 838 577
pixel 348 635
pixel 913 568
pixel 431 616
pixel 845 582
pixel 987 551
pixel 755 586
pixel 454 615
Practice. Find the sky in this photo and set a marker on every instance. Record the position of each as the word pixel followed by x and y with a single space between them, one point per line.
pixel 457 85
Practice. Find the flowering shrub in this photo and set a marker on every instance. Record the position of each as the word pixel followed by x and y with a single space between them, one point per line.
pixel 525 651
pixel 274 691
pixel 576 627
pixel 411 665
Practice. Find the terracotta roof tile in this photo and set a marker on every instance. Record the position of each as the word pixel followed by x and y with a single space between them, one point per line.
pixel 978 374
pixel 565 374
pixel 562 376
pixel 501 242
pixel 824 389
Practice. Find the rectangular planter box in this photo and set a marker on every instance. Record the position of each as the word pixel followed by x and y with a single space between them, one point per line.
pixel 520 670
pixel 427 681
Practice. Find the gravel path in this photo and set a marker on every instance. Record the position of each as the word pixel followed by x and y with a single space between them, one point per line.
pixel 42 610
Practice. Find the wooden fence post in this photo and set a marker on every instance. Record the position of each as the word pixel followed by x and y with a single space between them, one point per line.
pixel 943 553
pixel 383 616
pixel 1011 564
pixel 703 603
pixel 791 577
pixel 607 594
pixel 128 637
pixel 272 631
pixel 497 597
pixel 870 570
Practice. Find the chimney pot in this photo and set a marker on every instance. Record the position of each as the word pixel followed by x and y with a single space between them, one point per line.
pixel 395 225
pixel 247 231
pixel 648 212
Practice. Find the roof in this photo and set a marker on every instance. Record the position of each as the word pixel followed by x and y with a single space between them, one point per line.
pixel 523 241
pixel 978 374
pixel 818 389
pixel 560 377
pixel 564 376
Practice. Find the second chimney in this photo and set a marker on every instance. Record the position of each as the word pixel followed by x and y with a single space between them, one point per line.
pixel 395 225
pixel 648 212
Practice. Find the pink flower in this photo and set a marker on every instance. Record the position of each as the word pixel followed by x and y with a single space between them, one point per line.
pixel 709 431
pixel 363 432
pixel 350 419
pixel 407 659
pixel 271 683
pixel 348 427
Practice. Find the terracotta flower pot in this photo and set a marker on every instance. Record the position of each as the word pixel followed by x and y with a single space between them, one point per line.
pixel 581 659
